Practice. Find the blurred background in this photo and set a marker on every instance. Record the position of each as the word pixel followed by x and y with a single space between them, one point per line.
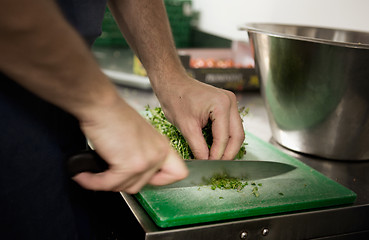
pixel 221 17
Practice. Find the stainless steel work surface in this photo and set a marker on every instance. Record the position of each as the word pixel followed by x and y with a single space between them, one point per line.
pixel 348 222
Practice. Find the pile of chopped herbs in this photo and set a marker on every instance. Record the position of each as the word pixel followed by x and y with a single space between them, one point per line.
pixel 157 118
pixel 224 181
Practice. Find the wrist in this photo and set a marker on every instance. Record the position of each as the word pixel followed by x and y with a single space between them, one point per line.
pixel 100 104
pixel 170 82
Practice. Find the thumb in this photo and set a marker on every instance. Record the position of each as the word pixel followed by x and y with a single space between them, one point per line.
pixel 171 171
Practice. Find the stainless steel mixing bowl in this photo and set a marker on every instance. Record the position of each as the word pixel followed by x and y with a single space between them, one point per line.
pixel 315 83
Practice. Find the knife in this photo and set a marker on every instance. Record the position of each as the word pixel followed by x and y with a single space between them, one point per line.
pixel 201 171
pixel 90 161
pixel 86 161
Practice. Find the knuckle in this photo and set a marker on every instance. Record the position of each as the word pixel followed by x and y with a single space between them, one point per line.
pixel 132 190
pixel 103 186
pixel 150 159
pixel 141 165
pixel 183 174
pixel 241 136
pixel 226 100
pixel 231 96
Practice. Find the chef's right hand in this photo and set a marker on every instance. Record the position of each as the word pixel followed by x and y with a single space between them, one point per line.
pixel 135 152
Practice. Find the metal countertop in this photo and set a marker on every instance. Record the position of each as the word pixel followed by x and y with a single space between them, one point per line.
pixel 344 222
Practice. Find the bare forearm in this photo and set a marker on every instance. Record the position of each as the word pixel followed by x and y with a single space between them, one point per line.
pixel 44 54
pixel 145 25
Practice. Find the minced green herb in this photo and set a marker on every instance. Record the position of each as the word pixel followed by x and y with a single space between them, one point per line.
pixel 255 191
pixel 223 181
pixel 157 118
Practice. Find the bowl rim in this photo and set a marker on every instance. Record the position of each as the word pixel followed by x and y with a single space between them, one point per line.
pixel 255 27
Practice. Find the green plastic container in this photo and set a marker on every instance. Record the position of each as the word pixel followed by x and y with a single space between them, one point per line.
pixel 179 15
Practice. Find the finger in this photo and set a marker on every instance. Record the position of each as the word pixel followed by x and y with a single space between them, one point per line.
pixel 172 170
pixel 220 131
pixel 236 135
pixel 109 181
pixel 140 181
pixel 93 181
pixel 195 139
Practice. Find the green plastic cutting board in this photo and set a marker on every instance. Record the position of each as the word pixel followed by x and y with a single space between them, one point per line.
pixel 301 188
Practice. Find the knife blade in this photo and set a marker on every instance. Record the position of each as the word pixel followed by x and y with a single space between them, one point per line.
pixel 199 170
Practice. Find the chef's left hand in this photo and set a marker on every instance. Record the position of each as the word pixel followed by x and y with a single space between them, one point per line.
pixel 190 104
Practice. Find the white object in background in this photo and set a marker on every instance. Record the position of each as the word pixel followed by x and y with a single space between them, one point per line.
pixel 214 19
pixel 128 79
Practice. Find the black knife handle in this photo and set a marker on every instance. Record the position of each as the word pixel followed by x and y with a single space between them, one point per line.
pixel 86 161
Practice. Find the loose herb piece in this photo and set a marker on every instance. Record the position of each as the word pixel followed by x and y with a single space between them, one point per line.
pixel 157 118
pixel 255 191
pixel 281 194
